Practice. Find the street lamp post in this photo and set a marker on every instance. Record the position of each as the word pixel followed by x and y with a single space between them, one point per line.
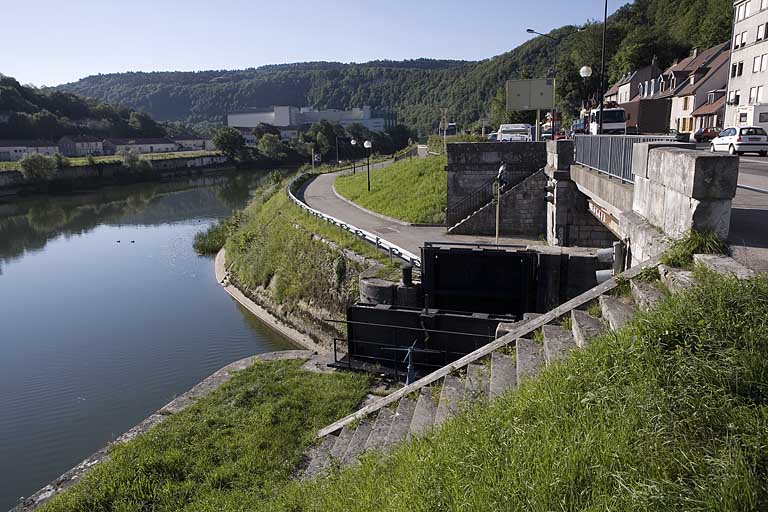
pixel 354 143
pixel 554 80
pixel 367 145
pixel 602 71
pixel 585 72
pixel 498 182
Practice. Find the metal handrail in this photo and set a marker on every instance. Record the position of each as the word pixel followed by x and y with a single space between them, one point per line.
pixel 478 198
pixel 611 154
pixel 380 243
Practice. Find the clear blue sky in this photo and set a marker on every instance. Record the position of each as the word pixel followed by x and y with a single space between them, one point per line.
pixel 48 42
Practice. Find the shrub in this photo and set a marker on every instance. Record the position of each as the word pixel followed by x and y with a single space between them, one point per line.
pixel 133 161
pixel 37 167
pixel 681 253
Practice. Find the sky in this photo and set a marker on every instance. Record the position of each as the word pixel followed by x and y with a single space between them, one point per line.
pixel 55 42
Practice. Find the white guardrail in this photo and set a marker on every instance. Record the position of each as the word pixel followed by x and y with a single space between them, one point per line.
pixel 380 243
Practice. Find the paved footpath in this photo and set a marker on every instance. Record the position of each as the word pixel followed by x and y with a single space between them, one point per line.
pixel 318 193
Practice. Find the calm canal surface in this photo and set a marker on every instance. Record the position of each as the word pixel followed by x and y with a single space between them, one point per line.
pixel 95 335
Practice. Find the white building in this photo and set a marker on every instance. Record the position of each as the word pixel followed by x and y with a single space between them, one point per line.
pixel 747 100
pixel 290 120
pixel 152 145
pixel 15 150
pixel 80 145
pixel 191 143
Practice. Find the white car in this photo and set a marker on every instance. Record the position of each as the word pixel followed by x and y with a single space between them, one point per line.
pixel 745 139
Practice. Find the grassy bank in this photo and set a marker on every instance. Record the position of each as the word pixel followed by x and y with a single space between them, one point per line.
pixel 410 190
pixel 237 445
pixel 670 414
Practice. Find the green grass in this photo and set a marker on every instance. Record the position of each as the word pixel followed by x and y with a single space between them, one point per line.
pixel 274 247
pixel 213 239
pixel 240 443
pixel 410 190
pixel 680 254
pixel 116 159
pixel 670 414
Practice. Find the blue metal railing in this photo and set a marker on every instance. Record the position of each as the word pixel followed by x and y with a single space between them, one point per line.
pixel 611 154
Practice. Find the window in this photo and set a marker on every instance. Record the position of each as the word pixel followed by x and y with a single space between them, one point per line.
pixel 760 94
pixel 763 4
pixel 763 116
pixel 740 68
pixel 742 119
pixel 761 32
pixel 752 131
pixel 686 102
pixel 748 8
pixel 756 64
pixel 737 41
pixel 740 12
pixel 752 95
pixel 744 39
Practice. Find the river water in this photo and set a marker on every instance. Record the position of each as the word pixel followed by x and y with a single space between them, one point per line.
pixel 106 314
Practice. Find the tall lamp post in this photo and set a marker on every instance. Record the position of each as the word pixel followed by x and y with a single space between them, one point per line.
pixel 367 145
pixel 585 72
pixel 354 143
pixel 602 71
pixel 554 80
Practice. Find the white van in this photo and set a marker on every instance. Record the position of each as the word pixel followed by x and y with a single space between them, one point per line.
pixel 514 133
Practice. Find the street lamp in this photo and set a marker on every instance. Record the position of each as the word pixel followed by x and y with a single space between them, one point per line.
pixel 354 143
pixel 367 145
pixel 498 182
pixel 602 71
pixel 554 80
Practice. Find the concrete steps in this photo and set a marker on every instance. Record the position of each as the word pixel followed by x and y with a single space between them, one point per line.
pixel 530 359
pixel 319 457
pixel 503 373
pixel 558 343
pixel 357 444
pixel 646 295
pixel 616 312
pixel 378 436
pixel 723 265
pixel 341 444
pixel 584 327
pixel 401 423
pixel 424 415
pixel 450 399
pixel 675 279
pixel 478 384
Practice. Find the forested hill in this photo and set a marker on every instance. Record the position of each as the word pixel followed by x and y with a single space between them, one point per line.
pixel 416 89
pixel 30 113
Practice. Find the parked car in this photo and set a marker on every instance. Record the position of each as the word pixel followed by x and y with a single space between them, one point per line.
pixel 745 139
pixel 707 134
pixel 493 137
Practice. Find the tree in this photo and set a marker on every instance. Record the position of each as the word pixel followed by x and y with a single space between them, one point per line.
pixel 271 147
pixel 263 129
pixel 133 161
pixel 230 142
pixel 37 167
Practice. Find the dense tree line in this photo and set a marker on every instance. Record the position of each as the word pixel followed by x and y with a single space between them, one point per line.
pixel 30 113
pixel 416 89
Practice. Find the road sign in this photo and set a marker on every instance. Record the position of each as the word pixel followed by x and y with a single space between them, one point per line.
pixel 530 94
pixel 318 158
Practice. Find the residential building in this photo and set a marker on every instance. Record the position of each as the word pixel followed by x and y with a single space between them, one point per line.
pixel 711 113
pixel 703 78
pixel 291 120
pixel 660 104
pixel 150 145
pixel 14 150
pixel 627 89
pixel 747 100
pixel 80 145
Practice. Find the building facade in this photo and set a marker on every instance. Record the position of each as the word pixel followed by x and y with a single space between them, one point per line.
pixel 80 145
pixel 291 120
pixel 747 100
pixel 152 145
pixel 15 150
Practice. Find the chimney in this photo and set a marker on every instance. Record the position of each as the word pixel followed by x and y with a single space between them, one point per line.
pixel 695 52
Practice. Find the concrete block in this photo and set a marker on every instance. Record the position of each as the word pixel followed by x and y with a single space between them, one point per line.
pixel 697 174
pixel 678 213
pixel 713 215
pixel 560 154
pixel 641 197
pixel 724 265
pixel 655 207
pixel 640 153
pixel 646 241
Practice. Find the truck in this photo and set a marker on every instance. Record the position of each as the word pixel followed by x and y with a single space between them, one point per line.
pixel 515 133
pixel 614 121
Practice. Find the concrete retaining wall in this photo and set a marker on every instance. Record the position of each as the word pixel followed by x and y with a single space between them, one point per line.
pixel 473 164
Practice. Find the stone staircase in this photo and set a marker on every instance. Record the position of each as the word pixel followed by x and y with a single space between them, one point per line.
pixel 521 351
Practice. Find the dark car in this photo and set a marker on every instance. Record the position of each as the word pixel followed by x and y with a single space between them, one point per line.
pixel 707 134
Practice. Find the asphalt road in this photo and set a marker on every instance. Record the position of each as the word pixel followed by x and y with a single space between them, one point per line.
pixel 749 215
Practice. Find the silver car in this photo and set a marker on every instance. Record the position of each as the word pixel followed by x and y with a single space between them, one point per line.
pixel 738 140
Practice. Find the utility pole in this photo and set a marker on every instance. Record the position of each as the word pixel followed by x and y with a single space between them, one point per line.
pixel 445 131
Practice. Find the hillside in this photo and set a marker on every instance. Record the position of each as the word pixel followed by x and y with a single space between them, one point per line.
pixel 415 89
pixel 29 113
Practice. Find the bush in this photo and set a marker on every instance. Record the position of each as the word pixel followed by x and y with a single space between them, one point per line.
pixel 681 253
pixel 133 161
pixel 37 167
pixel 213 239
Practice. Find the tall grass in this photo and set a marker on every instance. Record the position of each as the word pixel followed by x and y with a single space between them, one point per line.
pixel 410 190
pixel 240 443
pixel 681 253
pixel 670 414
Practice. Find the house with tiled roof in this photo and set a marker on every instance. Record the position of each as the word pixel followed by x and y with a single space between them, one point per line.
pixel 147 145
pixel 15 149
pixel 81 145
pixel 712 113
pixel 659 105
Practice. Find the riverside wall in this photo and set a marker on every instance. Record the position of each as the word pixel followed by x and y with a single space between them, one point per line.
pixel 91 176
